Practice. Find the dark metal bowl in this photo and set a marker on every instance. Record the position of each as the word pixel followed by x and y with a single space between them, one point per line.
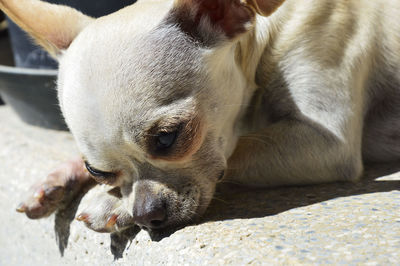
pixel 32 94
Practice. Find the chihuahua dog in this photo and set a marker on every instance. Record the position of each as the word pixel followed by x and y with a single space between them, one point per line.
pixel 165 98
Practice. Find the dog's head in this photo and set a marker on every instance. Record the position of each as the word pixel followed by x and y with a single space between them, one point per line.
pixel 152 95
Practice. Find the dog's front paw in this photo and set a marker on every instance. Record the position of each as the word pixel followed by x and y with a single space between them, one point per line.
pixel 103 210
pixel 59 188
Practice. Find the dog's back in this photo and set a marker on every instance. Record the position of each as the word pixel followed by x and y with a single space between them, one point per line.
pixel 337 47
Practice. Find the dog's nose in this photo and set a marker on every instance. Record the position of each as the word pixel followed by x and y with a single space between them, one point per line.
pixel 149 211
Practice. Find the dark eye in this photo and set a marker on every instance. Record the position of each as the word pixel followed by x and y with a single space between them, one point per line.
pixel 98 173
pixel 166 139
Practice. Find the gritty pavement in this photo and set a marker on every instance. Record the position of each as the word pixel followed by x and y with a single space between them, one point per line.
pixel 352 224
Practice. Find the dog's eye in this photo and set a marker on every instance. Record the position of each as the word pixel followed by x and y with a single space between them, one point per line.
pixel 166 139
pixel 98 173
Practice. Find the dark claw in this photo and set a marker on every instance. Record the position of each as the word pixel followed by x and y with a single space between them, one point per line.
pixel 21 208
pixel 112 221
pixel 83 217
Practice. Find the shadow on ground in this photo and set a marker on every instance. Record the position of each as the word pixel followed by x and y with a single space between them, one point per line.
pixel 235 202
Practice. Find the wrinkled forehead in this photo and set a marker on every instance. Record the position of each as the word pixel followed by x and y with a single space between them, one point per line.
pixel 108 57
pixel 111 78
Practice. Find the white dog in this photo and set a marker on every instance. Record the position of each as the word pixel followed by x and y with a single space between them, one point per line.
pixel 164 98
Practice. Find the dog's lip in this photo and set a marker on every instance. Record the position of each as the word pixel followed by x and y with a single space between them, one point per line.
pixel 168 229
pixel 146 228
pixel 159 234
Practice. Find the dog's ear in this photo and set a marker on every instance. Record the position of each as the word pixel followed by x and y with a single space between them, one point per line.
pixel 52 26
pixel 230 17
pixel 265 7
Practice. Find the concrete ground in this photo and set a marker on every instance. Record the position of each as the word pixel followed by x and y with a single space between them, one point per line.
pixel 352 224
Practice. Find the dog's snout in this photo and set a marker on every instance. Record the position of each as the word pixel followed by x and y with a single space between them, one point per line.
pixel 150 213
pixel 149 210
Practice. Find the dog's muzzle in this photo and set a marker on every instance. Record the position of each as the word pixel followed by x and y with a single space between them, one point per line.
pixel 149 210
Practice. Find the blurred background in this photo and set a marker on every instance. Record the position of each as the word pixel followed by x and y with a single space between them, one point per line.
pixel 28 74
pixel 5 48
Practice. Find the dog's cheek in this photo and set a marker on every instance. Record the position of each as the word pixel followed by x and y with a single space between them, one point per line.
pixel 196 197
pixel 207 194
pixel 208 164
pixel 181 203
pixel 190 197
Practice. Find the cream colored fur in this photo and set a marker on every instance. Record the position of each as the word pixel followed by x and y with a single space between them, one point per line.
pixel 303 96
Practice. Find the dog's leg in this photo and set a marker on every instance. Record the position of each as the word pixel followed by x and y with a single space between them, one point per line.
pixel 59 188
pixel 103 210
pixel 293 152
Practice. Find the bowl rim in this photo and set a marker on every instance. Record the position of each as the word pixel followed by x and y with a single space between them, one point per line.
pixel 28 71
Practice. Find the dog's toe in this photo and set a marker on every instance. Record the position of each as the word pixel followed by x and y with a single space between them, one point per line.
pixel 57 190
pixel 42 201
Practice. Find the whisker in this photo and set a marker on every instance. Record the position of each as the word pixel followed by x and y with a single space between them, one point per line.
pixel 219 199
pixel 230 181
pixel 256 139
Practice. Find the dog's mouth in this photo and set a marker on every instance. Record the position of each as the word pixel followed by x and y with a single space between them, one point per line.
pixel 161 230
pixel 161 210
pixel 172 226
pixel 180 213
pixel 167 211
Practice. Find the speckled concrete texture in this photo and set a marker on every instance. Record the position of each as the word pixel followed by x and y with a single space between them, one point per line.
pixel 352 224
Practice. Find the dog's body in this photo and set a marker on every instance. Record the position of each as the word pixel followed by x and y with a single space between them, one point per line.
pixel 164 96
pixel 328 78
